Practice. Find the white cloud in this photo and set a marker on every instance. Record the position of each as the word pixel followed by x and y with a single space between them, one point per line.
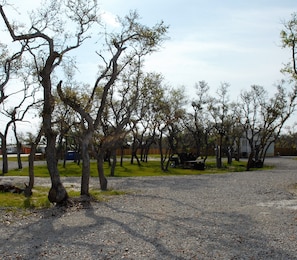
pixel 110 19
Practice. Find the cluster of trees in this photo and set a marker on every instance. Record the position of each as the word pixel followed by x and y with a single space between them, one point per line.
pixel 43 59
pixel 125 104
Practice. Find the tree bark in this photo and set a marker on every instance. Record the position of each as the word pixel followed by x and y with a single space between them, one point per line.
pixel 162 159
pixel 114 162
pixel 102 178
pixel 134 148
pixel 122 156
pixel 250 160
pixel 229 155
pixel 18 147
pixel 57 193
pixel 4 155
pixel 29 187
pixel 85 177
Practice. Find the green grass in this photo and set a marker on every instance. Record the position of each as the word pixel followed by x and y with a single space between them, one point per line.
pixel 151 168
pixel 13 200
pixel 39 200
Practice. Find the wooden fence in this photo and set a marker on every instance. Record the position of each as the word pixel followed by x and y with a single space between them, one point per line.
pixel 285 151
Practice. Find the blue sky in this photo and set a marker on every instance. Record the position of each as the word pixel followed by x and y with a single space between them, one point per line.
pixel 217 41
pixel 233 41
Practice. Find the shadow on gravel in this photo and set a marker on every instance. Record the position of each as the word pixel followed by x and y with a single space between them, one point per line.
pixel 162 224
pixel 166 235
pixel 134 235
pixel 154 233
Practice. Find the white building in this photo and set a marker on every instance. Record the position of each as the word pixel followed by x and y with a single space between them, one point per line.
pixel 245 148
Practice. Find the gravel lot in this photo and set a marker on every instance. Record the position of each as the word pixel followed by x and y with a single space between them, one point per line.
pixel 247 215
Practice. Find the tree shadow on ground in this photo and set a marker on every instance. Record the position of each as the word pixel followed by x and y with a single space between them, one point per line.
pixel 134 231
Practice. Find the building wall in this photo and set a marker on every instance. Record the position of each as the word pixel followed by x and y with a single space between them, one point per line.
pixel 245 148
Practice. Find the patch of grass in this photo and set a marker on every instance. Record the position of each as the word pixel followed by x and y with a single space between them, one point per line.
pixel 39 170
pixel 151 168
pixel 13 200
pixel 39 200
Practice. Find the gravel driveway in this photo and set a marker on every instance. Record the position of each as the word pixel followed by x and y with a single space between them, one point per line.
pixel 247 215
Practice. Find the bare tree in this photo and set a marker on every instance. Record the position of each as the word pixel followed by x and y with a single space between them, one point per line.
pixel 15 114
pixel 47 41
pixel 236 130
pixel 198 122
pixel 219 111
pixel 264 117
pixel 169 112
pixel 144 126
pixel 133 40
pixel 123 102
pixel 11 64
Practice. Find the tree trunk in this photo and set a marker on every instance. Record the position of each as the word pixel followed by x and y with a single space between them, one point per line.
pixel 146 152
pixel 147 149
pixel 142 151
pixel 137 159
pixel 206 146
pixel 29 187
pixel 78 156
pixel 4 155
pixel 229 155
pixel 65 152
pixel 198 147
pixel 134 149
pixel 122 156
pixel 250 161
pixel 251 155
pixel 57 193
pixel 219 157
pixel 100 162
pixel 85 177
pixel 114 162
pixel 18 147
pixel 238 150
pixel 163 168
pixel 168 161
